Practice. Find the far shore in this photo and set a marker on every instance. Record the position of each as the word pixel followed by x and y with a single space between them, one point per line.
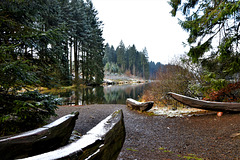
pixel 114 78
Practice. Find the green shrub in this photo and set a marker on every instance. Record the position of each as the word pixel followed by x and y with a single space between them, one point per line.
pixel 25 111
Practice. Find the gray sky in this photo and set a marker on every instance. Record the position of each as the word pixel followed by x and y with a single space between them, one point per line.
pixel 145 23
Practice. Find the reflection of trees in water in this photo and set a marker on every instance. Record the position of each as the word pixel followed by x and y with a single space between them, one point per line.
pixel 89 96
pixel 116 94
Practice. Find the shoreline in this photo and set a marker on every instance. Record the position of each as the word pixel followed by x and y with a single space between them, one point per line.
pixel 159 137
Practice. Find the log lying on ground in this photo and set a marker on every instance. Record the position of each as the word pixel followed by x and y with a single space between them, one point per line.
pixel 103 142
pixel 40 140
pixel 141 106
pixel 207 105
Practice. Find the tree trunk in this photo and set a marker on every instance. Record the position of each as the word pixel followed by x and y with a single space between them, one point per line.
pixel 76 66
pixel 71 60
pixel 143 72
pixel 134 70
pixel 83 65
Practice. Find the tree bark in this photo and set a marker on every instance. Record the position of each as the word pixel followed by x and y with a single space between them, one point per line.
pixel 76 66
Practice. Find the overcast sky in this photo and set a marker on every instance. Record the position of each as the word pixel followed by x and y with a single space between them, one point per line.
pixel 145 23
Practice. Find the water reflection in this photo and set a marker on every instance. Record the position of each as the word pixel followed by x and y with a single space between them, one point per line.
pixel 116 94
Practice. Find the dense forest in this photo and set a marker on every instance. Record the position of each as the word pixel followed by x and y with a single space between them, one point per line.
pixel 40 37
pixel 130 61
pixel 37 41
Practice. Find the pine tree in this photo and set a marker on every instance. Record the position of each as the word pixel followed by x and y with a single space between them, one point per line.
pixel 144 63
pixel 107 54
pixel 120 51
pixel 133 59
pixel 88 42
pixel 213 27
pixel 113 55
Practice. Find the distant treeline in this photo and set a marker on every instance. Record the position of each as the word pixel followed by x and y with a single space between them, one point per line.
pixel 130 61
pixel 154 68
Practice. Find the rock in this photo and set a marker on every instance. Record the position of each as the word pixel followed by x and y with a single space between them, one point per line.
pixel 235 135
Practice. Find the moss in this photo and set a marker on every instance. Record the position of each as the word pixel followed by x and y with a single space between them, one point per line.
pixel 192 157
pixel 188 156
pixel 131 149
pixel 161 148
pixel 167 151
pixel 150 114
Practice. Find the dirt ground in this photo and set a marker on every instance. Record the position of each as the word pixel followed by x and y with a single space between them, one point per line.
pixel 162 138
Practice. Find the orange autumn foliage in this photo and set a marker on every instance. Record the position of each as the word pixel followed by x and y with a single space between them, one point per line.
pixel 230 93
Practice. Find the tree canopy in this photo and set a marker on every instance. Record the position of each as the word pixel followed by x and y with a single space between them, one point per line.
pixel 214 35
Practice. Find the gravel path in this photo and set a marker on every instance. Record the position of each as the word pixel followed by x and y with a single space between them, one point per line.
pixel 161 138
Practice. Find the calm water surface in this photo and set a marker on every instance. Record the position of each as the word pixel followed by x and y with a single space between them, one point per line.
pixel 115 94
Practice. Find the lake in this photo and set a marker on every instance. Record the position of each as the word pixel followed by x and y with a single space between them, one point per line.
pixel 112 94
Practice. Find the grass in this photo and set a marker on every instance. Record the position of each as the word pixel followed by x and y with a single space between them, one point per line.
pixel 191 157
pixel 131 149
pixel 165 150
pixel 60 89
pixel 187 157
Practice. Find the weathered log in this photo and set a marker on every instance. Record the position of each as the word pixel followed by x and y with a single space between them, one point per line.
pixel 141 106
pixel 207 105
pixel 40 140
pixel 103 142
